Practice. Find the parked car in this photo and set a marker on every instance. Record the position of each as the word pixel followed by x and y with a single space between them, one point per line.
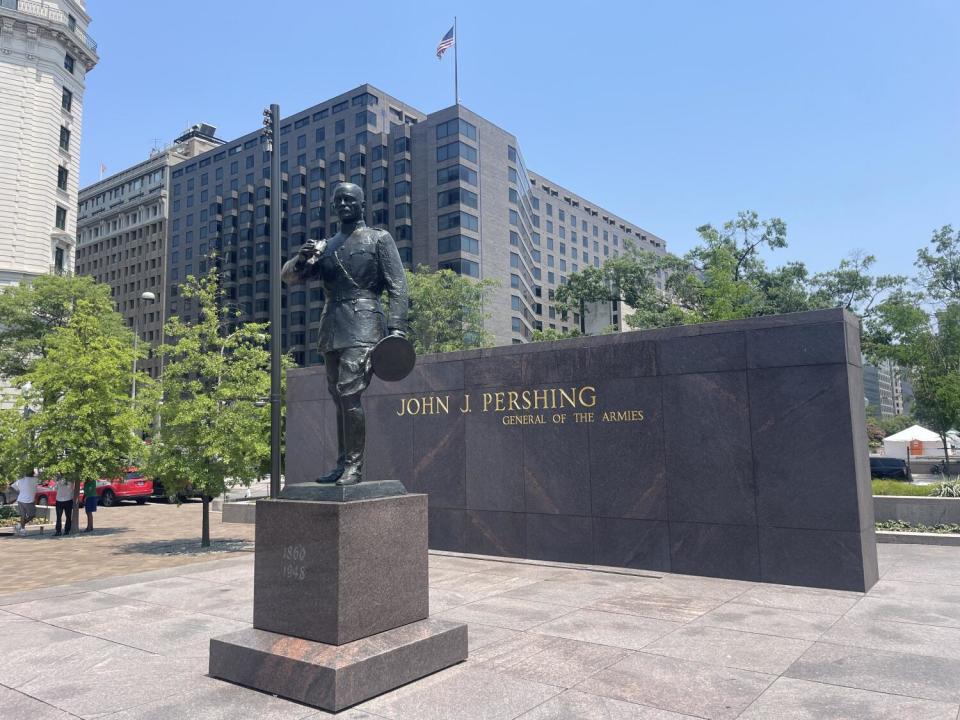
pixel 161 493
pixel 46 493
pixel 132 485
pixel 883 467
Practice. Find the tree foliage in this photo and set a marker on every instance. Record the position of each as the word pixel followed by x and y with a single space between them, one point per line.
pixel 29 312
pixel 215 419
pixel 447 311
pixel 78 418
pixel 938 267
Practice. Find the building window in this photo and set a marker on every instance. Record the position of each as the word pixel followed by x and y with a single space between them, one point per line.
pixel 455 173
pixel 58 260
pixel 455 126
pixel 339 127
pixel 62 175
pixel 456 195
pixel 457 219
pixel 68 62
pixel 61 219
pixel 456 149
pixel 461 267
pixel 455 243
pixel 64 139
pixel 66 100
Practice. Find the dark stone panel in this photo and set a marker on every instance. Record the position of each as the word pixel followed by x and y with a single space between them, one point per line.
pixel 496 533
pixel 797 345
pixel 729 551
pixel 871 568
pixel 803 448
pixel 708 455
pixel 334 572
pixel 311 440
pixel 556 466
pixel 447 529
pixel 852 331
pixel 815 558
pixel 439 463
pixel 559 538
pixel 568 365
pixel 389 449
pixel 335 677
pixel 639 544
pixel 495 372
pixel 305 384
pixel 630 357
pixel 494 463
pixel 627 467
pixel 425 378
pixel 703 353
pixel 861 451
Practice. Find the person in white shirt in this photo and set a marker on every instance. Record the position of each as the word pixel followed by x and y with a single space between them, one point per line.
pixel 26 488
pixel 64 504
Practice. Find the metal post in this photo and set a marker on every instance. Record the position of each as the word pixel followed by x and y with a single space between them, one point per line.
pixel 276 191
pixel 136 338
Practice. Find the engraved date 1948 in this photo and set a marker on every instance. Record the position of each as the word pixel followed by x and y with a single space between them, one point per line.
pixel 293 563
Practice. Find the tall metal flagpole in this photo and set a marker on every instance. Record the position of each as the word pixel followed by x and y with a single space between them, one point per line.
pixel 456 74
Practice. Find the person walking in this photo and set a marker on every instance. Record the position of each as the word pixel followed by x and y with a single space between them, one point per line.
pixel 64 505
pixel 26 488
pixel 89 502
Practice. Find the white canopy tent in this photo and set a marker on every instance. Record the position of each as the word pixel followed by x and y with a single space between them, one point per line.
pixel 920 441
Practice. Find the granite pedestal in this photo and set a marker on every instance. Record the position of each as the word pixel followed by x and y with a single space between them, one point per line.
pixel 340 608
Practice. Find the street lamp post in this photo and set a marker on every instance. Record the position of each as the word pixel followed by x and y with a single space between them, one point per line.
pixel 147 295
pixel 271 123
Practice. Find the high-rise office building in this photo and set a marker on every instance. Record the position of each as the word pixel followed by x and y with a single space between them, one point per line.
pixel 122 234
pixel 451 187
pixel 45 55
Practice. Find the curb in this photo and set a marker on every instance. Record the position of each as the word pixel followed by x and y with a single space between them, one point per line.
pixel 916 538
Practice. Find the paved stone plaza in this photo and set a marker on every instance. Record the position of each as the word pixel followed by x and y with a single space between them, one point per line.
pixel 546 642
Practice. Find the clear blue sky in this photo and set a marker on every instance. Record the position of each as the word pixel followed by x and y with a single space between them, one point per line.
pixel 843 118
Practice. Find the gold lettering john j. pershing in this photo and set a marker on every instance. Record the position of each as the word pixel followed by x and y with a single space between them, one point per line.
pixel 502 401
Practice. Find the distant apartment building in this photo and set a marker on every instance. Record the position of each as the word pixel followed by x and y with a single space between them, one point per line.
pixel 451 187
pixel 45 55
pixel 122 234
pixel 883 390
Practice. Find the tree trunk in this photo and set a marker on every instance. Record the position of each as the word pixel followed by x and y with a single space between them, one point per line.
pixel 946 457
pixel 205 534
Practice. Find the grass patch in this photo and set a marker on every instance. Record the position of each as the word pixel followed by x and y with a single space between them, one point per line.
pixel 903 526
pixel 899 487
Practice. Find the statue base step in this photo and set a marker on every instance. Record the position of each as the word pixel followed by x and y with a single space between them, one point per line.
pixel 335 677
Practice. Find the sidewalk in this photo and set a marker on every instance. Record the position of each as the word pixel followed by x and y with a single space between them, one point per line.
pixel 127 538
pixel 546 643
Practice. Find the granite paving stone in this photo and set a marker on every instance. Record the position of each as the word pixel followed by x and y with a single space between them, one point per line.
pixel 48 608
pixel 699 587
pixel 789 699
pixel 574 705
pixel 681 686
pixel 900 637
pixel 580 592
pixel 730 648
pixel 769 621
pixel 616 629
pixel 919 676
pixel 550 660
pixel 789 597
pixel 480 635
pixel 930 612
pixel 678 608
pixel 17 706
pixel 464 693
pixel 507 612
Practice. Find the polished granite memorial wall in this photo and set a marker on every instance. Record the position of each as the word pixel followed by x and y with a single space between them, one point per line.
pixel 734 449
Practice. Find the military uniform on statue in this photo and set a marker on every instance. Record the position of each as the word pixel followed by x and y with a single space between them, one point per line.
pixel 355 267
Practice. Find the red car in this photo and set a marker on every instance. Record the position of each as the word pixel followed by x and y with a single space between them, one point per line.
pixel 131 486
pixel 46 493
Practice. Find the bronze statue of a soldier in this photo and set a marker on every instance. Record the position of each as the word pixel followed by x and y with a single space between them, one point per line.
pixel 354 267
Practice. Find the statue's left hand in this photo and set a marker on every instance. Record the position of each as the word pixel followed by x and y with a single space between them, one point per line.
pixel 397 332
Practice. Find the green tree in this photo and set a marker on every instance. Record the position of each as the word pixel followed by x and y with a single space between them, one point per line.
pixel 79 420
pixel 14 457
pixel 446 311
pixel 938 268
pixel 927 345
pixel 851 285
pixel 215 421
pixel 551 334
pixel 31 310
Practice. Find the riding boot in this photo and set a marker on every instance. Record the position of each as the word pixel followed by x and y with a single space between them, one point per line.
pixel 354 435
pixel 334 474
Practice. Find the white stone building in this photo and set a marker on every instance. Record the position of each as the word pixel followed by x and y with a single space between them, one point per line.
pixel 45 55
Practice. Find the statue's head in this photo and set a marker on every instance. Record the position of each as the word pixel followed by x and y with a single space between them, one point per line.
pixel 348 202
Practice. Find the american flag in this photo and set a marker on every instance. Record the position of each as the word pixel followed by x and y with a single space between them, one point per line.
pixel 447 41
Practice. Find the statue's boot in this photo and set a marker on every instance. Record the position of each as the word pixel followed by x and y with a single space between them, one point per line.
pixel 334 475
pixel 354 435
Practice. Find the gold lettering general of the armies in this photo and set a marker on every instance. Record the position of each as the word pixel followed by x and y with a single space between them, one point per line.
pixel 505 401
